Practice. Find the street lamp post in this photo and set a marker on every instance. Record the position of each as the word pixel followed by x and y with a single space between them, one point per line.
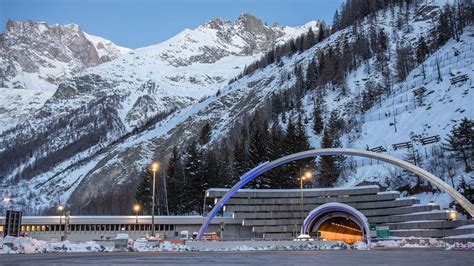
pixel 154 167
pixel 60 210
pixel 136 208
pixel 307 175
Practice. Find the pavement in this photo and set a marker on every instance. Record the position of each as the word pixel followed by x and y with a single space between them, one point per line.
pixel 420 256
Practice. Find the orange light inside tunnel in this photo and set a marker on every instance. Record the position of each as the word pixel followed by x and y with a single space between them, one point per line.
pixel 341 229
pixel 349 239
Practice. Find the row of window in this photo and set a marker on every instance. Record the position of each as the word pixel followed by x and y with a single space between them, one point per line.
pixel 95 227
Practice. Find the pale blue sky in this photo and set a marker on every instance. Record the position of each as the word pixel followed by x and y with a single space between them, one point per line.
pixel 138 23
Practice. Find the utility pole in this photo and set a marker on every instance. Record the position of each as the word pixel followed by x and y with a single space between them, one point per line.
pixel 67 219
pixel 154 167
pixel 306 175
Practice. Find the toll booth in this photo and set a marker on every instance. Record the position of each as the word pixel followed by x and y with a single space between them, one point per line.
pixel 12 223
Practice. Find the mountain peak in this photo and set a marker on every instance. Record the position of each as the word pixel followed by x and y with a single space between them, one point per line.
pixel 247 20
pixel 216 23
pixel 10 24
pixel 247 16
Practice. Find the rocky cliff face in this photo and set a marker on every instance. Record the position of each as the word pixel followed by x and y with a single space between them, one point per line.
pixel 52 51
pixel 36 57
pixel 71 138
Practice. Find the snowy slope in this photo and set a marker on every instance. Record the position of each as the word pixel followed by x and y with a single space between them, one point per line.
pixel 106 50
pixel 442 108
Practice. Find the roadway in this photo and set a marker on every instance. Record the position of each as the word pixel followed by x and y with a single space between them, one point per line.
pixel 420 256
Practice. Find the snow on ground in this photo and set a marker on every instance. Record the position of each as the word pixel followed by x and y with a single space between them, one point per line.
pixel 441 199
pixel 267 245
pixel 25 245
pixel 20 245
pixel 413 242
pixel 143 246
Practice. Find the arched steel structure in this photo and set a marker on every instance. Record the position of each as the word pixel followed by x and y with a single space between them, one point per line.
pixel 267 166
pixel 334 207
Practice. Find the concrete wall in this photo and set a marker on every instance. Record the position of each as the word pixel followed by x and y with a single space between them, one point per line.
pixel 276 214
pixel 231 231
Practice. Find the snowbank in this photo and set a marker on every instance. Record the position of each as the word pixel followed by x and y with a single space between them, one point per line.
pixel 266 245
pixel 422 243
pixel 19 245
pixel 143 246
pixel 22 245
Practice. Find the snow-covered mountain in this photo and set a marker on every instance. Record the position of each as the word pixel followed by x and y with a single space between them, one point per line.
pixel 35 57
pixel 104 104
pixel 91 140
pixel 192 64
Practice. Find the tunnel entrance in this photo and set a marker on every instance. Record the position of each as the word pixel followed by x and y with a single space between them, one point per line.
pixel 339 228
pixel 337 221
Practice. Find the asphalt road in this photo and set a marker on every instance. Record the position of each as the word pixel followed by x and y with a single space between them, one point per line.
pixel 324 257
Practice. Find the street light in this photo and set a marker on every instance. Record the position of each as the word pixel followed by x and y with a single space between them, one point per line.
pixel 136 208
pixel 60 210
pixel 306 176
pixel 7 201
pixel 154 167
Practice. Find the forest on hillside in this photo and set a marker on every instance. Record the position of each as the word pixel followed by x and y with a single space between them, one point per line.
pixel 260 137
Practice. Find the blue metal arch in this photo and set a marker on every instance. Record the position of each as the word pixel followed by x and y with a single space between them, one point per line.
pixel 327 208
pixel 267 166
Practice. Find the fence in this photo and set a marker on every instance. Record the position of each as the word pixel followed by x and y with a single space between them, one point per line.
pixel 403 93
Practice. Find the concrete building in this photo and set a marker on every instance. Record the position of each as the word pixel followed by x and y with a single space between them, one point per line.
pixel 279 214
pixel 330 213
pixel 86 228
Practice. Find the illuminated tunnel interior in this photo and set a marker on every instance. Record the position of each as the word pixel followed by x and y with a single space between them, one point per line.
pixel 339 228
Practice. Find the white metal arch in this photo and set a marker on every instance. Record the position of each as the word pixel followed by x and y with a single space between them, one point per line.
pixel 267 166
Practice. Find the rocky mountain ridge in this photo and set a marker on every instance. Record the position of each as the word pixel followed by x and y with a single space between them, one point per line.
pixel 36 57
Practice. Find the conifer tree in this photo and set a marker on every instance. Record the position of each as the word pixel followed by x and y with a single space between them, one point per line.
pixel 461 142
pixel 336 21
pixel 443 28
pixel 195 180
pixel 143 194
pixel 311 77
pixel 422 50
pixel 240 158
pixel 383 40
pixel 175 183
pixel 322 32
pixel 318 123
pixel 329 167
pixel 309 39
pixel 301 143
pixel 258 142
pixel 335 123
pixel 205 135
pixel 211 170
